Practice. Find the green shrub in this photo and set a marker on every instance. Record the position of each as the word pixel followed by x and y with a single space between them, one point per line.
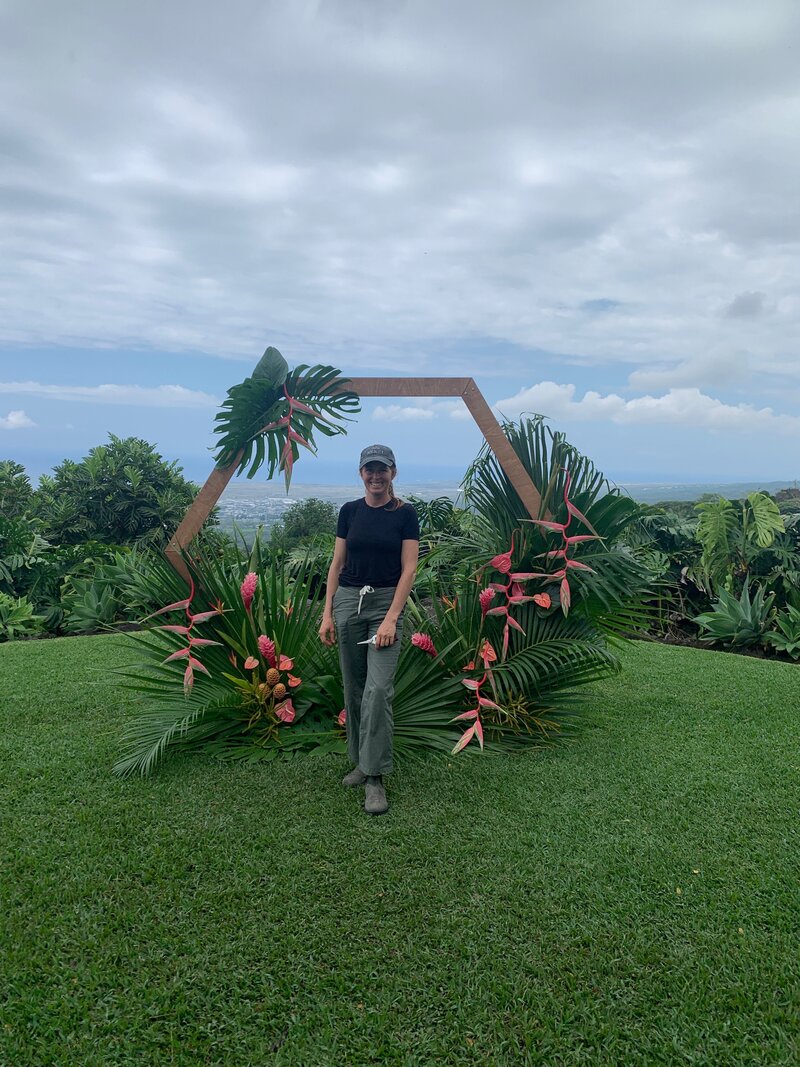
pixel 787 637
pixel 17 618
pixel 737 623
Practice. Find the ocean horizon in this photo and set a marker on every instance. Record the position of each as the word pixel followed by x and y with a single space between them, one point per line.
pixel 250 504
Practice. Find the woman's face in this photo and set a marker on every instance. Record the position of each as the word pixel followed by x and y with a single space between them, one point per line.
pixel 377 478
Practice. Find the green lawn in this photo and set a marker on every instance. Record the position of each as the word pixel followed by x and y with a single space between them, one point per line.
pixel 631 898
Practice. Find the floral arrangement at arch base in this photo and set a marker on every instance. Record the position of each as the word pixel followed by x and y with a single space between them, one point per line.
pixel 499 647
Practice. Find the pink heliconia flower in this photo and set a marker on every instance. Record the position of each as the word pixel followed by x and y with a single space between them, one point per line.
pixel 286 711
pixel 250 663
pixel 465 739
pixel 566 596
pixel 285 664
pixel 486 596
pixel 267 649
pixel 424 643
pixel 233 659
pixel 248 589
pixel 542 599
pixel 342 717
pixel 487 653
pixel 294 682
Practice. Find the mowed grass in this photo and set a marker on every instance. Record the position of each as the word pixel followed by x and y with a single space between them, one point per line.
pixel 629 898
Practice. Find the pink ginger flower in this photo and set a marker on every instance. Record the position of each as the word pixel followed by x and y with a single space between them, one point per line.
pixel 342 717
pixel 250 663
pixel 486 596
pixel 424 643
pixel 248 589
pixel 267 649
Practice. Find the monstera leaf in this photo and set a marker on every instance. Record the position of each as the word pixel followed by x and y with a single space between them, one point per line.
pixel 268 416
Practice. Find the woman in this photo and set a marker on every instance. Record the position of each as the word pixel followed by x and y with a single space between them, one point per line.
pixel 370 577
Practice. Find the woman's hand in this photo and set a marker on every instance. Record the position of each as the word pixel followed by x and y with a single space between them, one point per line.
pixel 327 631
pixel 386 634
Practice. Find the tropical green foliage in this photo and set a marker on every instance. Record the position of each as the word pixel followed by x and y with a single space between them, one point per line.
pixel 786 638
pixel 507 672
pixel 737 622
pixel 734 538
pixel 274 411
pixel 121 493
pixel 17 618
pixel 302 522
pixel 16 490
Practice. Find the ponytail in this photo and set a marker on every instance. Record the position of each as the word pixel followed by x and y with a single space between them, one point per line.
pixel 398 503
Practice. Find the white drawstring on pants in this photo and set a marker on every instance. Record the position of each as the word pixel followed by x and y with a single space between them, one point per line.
pixel 361 594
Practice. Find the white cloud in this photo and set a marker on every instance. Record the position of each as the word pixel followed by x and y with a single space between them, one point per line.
pixel 688 407
pixel 423 409
pixel 714 368
pixel 16 420
pixel 162 396
pixel 399 413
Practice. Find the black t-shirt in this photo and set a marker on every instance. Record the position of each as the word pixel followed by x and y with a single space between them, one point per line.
pixel 374 541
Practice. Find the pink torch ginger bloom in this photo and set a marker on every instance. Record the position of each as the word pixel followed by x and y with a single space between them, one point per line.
pixel 486 596
pixel 342 717
pixel 424 643
pixel 286 711
pixel 250 663
pixel 267 649
pixel 248 589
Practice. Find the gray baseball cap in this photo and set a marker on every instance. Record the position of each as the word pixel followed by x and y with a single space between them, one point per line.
pixel 377 454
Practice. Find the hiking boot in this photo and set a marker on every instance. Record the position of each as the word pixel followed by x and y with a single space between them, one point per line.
pixel 375 802
pixel 355 777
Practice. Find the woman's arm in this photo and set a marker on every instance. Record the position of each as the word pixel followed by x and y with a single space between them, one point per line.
pixel 387 631
pixel 327 631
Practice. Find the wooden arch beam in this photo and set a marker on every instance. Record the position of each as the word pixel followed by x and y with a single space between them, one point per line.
pixel 466 388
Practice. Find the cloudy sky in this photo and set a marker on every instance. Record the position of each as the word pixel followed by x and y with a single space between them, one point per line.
pixel 589 207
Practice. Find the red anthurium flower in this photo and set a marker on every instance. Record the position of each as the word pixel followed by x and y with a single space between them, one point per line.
pixel 542 599
pixel 470 666
pixel 250 663
pixel 294 682
pixel 342 717
pixel 248 589
pixel 424 643
pixel 285 664
pixel 286 711
pixel 267 649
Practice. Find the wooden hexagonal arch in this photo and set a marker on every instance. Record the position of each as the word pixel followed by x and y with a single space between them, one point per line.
pixel 466 388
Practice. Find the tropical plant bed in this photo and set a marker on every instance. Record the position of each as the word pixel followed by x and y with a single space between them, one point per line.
pixel 629 898
pixel 684 640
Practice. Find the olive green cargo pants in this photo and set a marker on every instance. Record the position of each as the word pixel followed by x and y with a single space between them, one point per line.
pixel 368 675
